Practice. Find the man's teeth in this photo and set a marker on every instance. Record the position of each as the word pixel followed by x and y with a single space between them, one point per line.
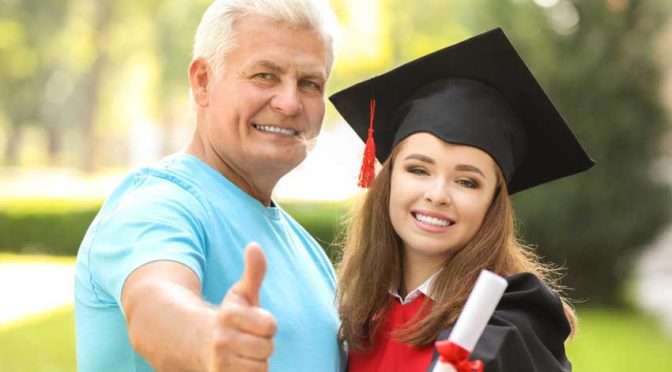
pixel 272 129
pixel 431 220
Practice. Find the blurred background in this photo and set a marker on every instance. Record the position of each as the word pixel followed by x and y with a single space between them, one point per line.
pixel 90 89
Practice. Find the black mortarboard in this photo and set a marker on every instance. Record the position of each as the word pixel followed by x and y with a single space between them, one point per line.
pixel 479 93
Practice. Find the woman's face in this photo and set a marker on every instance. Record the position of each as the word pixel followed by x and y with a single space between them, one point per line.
pixel 440 193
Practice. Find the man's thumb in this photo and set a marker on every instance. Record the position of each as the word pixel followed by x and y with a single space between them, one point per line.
pixel 253 274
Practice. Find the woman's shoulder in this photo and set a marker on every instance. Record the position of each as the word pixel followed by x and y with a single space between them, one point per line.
pixel 526 289
pixel 527 330
pixel 531 305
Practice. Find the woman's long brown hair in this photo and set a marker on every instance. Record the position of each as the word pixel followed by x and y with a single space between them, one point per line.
pixel 372 265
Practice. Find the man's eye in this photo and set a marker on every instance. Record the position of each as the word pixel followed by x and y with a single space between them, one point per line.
pixel 264 76
pixel 309 84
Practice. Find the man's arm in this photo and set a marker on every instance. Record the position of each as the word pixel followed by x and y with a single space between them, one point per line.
pixel 174 329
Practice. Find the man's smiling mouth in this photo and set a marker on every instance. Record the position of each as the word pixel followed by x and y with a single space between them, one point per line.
pixel 276 130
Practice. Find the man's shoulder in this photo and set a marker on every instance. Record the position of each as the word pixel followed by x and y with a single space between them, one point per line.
pixel 157 187
pixel 177 172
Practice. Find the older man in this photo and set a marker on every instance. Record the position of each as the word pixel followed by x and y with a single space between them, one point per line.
pixel 163 280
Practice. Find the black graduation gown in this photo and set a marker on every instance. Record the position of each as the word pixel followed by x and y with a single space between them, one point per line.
pixel 526 333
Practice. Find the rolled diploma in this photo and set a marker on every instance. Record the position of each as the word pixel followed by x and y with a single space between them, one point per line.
pixel 477 311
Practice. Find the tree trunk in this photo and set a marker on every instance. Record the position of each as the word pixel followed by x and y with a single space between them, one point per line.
pixel 92 87
pixel 14 136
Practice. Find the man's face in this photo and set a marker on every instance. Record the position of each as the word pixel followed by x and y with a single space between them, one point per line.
pixel 269 103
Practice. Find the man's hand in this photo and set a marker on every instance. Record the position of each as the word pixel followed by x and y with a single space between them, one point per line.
pixel 242 338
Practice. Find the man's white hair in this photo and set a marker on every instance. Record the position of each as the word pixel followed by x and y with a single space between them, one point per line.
pixel 215 35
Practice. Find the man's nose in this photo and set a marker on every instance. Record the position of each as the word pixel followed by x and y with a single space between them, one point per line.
pixel 287 100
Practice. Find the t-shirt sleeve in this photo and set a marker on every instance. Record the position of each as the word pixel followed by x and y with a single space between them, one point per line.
pixel 527 331
pixel 163 222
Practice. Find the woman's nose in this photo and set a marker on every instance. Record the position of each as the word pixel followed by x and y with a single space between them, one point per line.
pixel 438 193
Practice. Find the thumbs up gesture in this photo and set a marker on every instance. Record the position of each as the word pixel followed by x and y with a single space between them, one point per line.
pixel 242 339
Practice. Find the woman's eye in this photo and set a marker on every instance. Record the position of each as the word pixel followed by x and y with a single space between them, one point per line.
pixel 418 171
pixel 467 183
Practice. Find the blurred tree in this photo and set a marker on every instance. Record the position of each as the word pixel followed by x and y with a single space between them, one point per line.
pixel 176 27
pixel 27 60
pixel 598 65
pixel 101 18
pixel 596 61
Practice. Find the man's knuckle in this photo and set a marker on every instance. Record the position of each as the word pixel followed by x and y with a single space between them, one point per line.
pixel 271 327
pixel 223 341
pixel 228 315
pixel 261 367
pixel 269 349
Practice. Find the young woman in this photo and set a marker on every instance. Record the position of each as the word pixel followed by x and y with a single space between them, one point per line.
pixel 457 132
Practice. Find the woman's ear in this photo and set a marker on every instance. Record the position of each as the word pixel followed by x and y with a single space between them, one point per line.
pixel 200 76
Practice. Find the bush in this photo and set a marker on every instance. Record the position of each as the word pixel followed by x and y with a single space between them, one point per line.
pixel 58 227
pixel 39 226
pixel 324 221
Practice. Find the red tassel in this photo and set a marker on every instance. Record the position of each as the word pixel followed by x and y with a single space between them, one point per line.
pixel 368 172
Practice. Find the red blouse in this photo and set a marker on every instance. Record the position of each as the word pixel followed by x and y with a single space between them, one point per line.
pixel 388 354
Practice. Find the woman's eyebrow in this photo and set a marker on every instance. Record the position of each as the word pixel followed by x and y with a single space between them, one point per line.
pixel 423 158
pixel 469 168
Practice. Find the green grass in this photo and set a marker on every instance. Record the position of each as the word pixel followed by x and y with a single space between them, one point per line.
pixel 44 205
pixel 619 340
pixel 608 341
pixel 45 343
pixel 35 258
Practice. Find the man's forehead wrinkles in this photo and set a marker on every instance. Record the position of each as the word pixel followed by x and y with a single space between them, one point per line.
pixel 302 71
pixel 271 65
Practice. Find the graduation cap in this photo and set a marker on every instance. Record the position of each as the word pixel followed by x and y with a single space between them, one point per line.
pixel 479 93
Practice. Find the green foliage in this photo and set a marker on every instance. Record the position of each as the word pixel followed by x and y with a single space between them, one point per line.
pixel 27 60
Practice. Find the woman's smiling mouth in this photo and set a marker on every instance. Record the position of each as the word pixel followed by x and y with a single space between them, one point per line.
pixel 431 222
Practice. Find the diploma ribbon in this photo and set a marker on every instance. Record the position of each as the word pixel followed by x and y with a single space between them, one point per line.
pixel 450 352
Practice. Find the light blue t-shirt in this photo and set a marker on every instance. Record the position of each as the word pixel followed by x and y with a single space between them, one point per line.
pixel 182 210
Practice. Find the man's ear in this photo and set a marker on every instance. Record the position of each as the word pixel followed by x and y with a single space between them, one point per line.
pixel 200 76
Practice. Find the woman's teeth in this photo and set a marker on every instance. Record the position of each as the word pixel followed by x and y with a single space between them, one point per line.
pixel 278 130
pixel 431 220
